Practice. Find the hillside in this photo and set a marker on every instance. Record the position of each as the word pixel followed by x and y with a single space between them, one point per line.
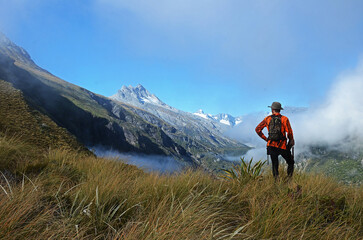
pixel 19 120
pixel 73 196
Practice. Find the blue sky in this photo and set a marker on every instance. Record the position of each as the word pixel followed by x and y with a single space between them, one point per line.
pixel 230 56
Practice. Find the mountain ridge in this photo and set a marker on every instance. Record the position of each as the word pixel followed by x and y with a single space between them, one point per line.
pixel 96 120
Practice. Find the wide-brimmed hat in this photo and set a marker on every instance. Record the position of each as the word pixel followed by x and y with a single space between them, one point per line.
pixel 276 105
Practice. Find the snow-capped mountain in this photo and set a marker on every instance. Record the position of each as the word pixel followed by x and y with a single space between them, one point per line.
pixel 137 96
pixel 140 97
pixel 222 118
pixel 206 130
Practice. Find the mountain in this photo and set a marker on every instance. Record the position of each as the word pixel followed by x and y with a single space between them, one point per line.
pixel 206 131
pixel 86 115
pixel 140 97
pixel 98 121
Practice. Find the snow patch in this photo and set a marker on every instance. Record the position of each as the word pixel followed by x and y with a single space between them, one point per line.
pixel 238 122
pixel 201 115
pixel 225 122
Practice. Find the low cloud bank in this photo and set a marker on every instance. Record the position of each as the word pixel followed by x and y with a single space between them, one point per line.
pixel 149 163
pixel 336 122
pixel 339 119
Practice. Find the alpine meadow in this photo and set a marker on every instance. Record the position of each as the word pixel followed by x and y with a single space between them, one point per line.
pixel 181 119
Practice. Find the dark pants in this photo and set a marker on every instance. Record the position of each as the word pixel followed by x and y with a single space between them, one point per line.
pixel 286 154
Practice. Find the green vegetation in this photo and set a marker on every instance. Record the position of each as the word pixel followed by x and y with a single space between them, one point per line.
pixel 17 118
pixel 244 172
pixel 61 194
pixel 349 171
pixel 344 166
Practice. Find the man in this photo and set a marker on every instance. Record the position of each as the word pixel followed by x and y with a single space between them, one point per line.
pixel 278 126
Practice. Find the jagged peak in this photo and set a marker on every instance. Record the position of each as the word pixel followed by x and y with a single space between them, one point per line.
pixel 139 86
pixel 200 111
pixel 137 95
pixel 138 90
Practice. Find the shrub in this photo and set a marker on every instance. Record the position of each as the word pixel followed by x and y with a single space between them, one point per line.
pixel 244 172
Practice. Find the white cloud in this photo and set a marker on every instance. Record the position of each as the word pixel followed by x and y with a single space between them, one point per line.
pixel 245 32
pixel 339 119
pixel 158 163
pixel 259 39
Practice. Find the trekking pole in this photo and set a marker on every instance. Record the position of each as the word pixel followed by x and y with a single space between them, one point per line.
pixel 267 159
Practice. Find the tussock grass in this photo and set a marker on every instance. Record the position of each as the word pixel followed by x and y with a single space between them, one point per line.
pixel 76 196
pixel 17 157
pixel 31 126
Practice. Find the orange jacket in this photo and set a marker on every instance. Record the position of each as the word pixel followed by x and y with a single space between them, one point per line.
pixel 285 128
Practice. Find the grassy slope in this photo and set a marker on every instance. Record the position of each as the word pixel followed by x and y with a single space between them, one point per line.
pixel 77 196
pixel 17 118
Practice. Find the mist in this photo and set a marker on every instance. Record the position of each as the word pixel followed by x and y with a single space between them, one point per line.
pixel 338 120
pixel 149 163
pixel 334 122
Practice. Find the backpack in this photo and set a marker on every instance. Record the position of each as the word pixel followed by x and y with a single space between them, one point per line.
pixel 274 129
